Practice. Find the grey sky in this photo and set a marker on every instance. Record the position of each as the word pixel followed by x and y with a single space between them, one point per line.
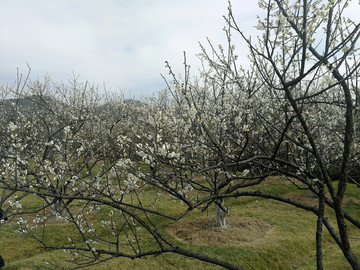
pixel 120 43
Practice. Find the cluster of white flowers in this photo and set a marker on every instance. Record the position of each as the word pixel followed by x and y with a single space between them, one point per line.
pixel 15 204
pixel 12 127
pixel 24 226
pixel 131 182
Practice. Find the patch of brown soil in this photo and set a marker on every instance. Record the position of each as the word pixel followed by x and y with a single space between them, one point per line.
pixel 277 180
pixel 201 231
pixel 270 180
pixel 348 199
pixel 305 198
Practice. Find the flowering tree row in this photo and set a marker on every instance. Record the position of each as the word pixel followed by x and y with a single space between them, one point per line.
pixel 102 164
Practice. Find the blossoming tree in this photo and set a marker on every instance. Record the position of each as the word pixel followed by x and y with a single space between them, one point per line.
pixel 293 114
pixel 102 165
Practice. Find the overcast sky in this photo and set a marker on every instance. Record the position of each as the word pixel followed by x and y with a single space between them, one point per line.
pixel 121 44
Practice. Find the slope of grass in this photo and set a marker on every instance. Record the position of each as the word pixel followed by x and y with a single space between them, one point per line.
pixel 290 244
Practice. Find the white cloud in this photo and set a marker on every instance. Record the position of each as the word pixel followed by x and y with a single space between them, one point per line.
pixel 122 43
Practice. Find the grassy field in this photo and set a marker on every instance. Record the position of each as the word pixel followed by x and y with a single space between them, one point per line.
pixel 287 241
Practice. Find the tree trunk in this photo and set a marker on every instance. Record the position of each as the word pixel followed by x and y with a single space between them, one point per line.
pixel 221 213
pixel 319 230
pixel 55 204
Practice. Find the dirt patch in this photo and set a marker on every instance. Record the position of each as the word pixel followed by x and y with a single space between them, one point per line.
pixel 307 199
pixel 301 197
pixel 276 180
pixel 201 231
pixel 351 200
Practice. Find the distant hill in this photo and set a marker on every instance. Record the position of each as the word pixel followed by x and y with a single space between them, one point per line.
pixel 37 103
pixel 26 104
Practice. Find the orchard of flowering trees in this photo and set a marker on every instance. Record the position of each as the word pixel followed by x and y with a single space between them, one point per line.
pixel 202 140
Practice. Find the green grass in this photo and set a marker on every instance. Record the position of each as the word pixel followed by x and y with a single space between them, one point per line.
pixel 289 245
